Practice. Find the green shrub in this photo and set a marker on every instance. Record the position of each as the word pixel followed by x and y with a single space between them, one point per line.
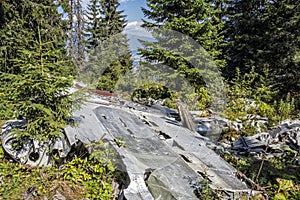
pixel 155 91
pixel 286 108
pixel 278 182
pixel 265 109
pixel 88 177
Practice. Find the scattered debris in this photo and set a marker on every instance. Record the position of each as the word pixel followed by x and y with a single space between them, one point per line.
pixel 273 144
pixel 58 196
pixel 185 116
pixel 30 193
pixel 154 149
pixel 31 152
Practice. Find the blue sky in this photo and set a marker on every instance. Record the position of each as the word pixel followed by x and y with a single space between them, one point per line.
pixel 132 9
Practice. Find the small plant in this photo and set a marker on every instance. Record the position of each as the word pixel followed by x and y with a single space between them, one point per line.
pixel 204 191
pixel 95 177
pixel 265 109
pixel 286 108
pixel 89 177
pixel 250 93
pixel 278 182
pixel 155 91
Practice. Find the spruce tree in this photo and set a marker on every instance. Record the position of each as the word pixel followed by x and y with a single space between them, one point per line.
pixel 35 71
pixel 113 21
pixel 199 20
pixel 263 34
pixel 93 25
pixel 245 30
pixel 109 54
pixel 282 44
pixel 104 20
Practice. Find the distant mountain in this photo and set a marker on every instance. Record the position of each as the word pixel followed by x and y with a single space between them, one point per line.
pixel 134 44
pixel 134 35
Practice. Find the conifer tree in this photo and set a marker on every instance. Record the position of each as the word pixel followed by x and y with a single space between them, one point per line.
pixel 198 20
pixel 282 44
pixel 245 29
pixel 93 25
pixel 35 71
pixel 113 21
pixel 109 54
pixel 263 34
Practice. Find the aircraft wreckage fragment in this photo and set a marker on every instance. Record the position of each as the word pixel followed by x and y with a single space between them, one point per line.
pixel 162 159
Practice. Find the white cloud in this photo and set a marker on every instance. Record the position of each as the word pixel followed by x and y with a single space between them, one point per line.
pixel 135 32
pixel 134 28
pixel 134 25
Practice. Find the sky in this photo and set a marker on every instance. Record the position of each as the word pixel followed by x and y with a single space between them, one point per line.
pixel 132 9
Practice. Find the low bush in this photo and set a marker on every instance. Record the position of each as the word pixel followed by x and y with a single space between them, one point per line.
pixel 87 177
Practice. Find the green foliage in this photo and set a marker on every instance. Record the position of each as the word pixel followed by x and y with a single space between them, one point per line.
pixel 205 191
pixel 155 91
pixel 96 172
pixel 199 100
pixel 265 109
pixel 264 34
pixel 109 54
pixel 185 17
pixel 245 31
pixel 286 108
pixel 176 26
pixel 35 73
pixel 38 93
pixel 93 26
pixel 18 180
pixel 104 20
pixel 117 69
pixel 89 177
pixel 88 172
pixel 278 182
pixel 250 93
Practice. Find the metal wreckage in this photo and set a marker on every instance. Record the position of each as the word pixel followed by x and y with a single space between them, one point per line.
pixel 161 156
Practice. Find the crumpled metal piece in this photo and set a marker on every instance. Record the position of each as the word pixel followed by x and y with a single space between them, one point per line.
pixel 31 152
pixel 278 140
pixel 149 144
pixel 256 143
